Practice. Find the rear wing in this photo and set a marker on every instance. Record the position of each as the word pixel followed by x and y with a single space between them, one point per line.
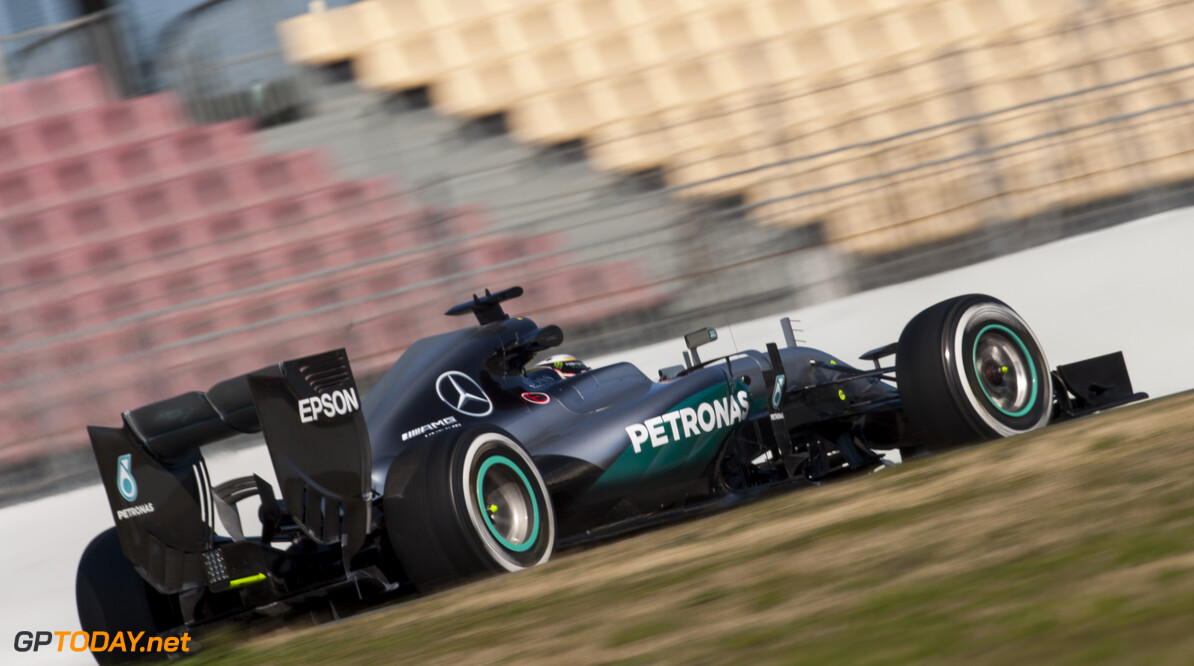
pixel 161 497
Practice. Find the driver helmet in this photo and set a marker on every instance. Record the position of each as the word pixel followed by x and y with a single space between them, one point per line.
pixel 564 365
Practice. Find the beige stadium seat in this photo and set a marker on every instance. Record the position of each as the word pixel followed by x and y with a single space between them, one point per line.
pixel 474 43
pixel 830 202
pixel 895 88
pixel 1170 151
pixel 916 115
pixel 578 19
pixel 875 94
pixel 413 16
pixel 801 56
pixel 708 122
pixel 1026 179
pixel 378 22
pixel 632 145
pixel 540 71
pixel 985 19
pixel 1043 15
pixel 758 66
pixel 556 116
pixel 725 25
pixel 1145 92
pixel 923 78
pixel 351 28
pixel 407 62
pixel 1010 97
pixel 664 41
pixel 965 18
pixel 725 168
pixel 810 147
pixel 868 40
pixel 1101 163
pixel 888 217
pixel 826 104
pixel 307 39
pixel 534 25
pixel 781 198
pixel 776 18
pixel 837 46
pixel 636 94
pixel 853 9
pixel 480 90
pixel 923 27
pixel 606 54
pixel 646 11
pixel 1165 21
pixel 460 11
pixel 683 82
pixel 1125 34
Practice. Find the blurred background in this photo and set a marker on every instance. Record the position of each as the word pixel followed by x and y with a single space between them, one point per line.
pixel 191 189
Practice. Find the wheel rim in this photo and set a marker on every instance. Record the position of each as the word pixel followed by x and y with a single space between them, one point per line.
pixel 1005 370
pixel 508 504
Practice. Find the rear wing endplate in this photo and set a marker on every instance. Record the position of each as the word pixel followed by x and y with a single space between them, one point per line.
pixel 157 482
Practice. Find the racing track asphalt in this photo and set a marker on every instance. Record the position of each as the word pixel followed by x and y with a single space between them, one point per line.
pixel 1127 288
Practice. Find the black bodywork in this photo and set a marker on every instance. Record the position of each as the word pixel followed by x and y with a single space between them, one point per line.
pixel 614 447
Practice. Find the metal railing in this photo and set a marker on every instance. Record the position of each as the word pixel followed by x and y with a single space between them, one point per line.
pixel 224 59
pixel 93 38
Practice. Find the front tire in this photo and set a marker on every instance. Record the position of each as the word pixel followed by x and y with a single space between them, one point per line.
pixel 111 596
pixel 971 369
pixel 470 507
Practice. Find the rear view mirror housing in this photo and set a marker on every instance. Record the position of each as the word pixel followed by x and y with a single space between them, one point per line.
pixel 695 339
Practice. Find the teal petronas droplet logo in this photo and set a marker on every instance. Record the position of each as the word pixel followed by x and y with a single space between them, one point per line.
pixel 125 482
pixel 777 392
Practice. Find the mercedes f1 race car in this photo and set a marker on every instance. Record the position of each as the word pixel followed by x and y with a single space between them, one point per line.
pixel 461 462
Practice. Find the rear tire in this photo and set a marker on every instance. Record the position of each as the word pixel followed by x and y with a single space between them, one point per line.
pixel 467 508
pixel 971 369
pixel 111 596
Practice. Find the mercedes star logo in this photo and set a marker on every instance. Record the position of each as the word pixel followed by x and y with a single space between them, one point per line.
pixel 463 394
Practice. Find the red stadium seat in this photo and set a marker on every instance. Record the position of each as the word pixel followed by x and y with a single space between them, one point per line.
pixel 211 191
pixel 53 95
pixel 149 206
pixel 15 103
pixel 464 221
pixel 16 148
pixel 544 253
pixel 140 118
pixel 21 192
pixel 207 145
pixel 71 90
pixel 75 178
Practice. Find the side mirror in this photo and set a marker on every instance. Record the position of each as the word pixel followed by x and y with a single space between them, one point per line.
pixel 696 339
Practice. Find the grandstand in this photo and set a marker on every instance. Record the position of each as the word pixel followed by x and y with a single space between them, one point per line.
pixel 893 124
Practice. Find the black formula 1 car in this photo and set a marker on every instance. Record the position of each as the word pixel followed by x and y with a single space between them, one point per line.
pixel 460 462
